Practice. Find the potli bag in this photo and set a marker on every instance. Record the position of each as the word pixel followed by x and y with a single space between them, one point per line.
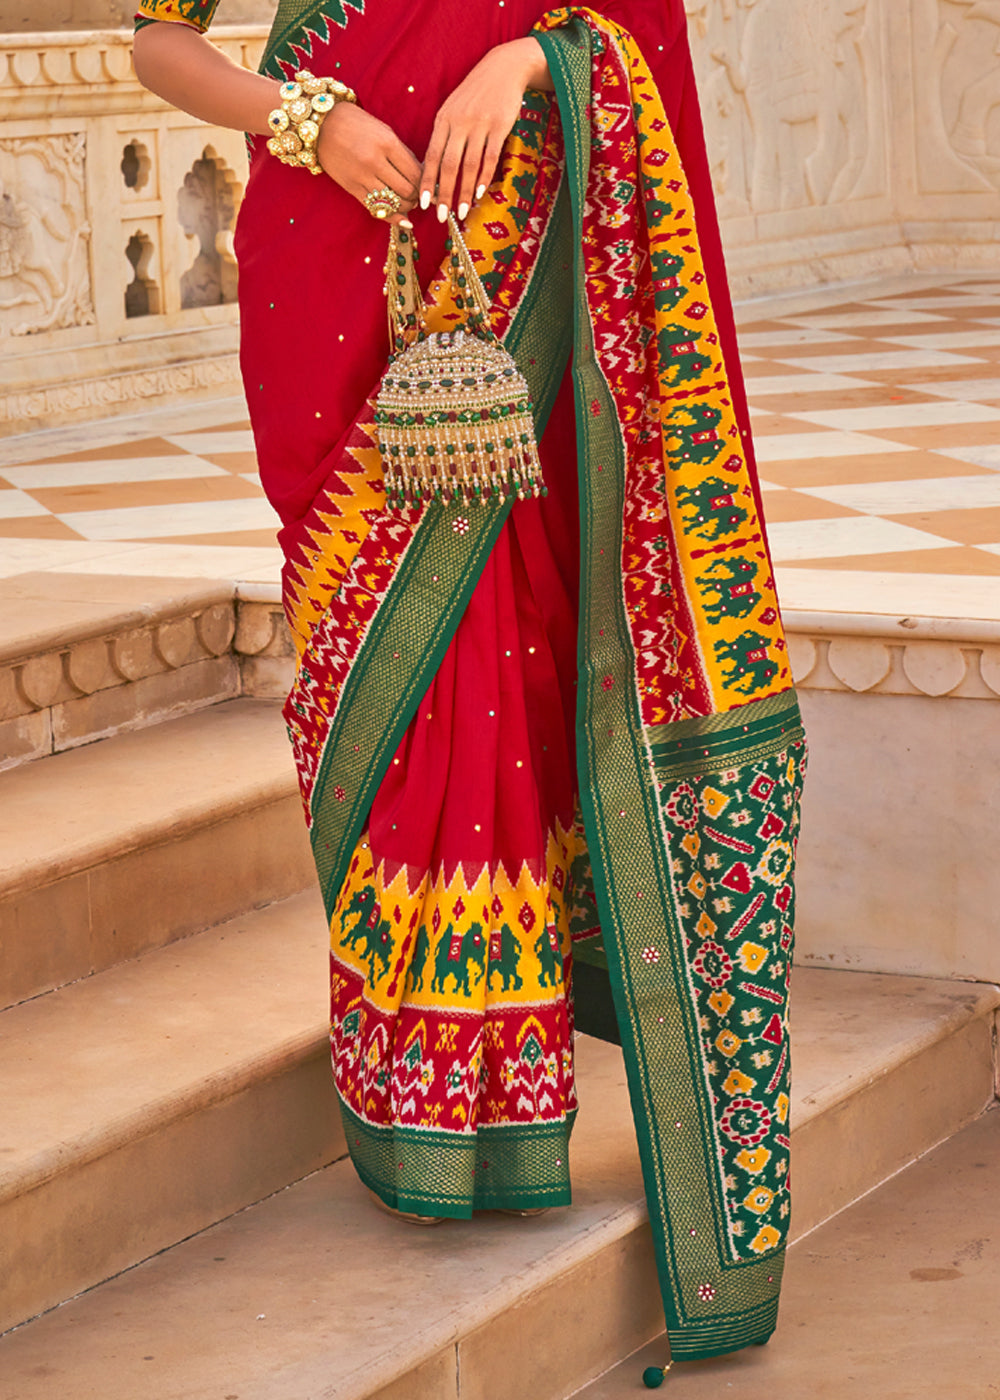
pixel 453 412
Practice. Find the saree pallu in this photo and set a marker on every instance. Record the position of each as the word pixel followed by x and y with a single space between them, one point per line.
pixel 550 756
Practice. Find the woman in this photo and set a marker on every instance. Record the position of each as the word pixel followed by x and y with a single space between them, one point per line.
pixel 549 752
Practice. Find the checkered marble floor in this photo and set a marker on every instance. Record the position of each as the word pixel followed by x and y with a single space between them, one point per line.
pixel 877 421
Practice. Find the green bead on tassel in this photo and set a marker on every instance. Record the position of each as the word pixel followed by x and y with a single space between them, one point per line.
pixel 654 1376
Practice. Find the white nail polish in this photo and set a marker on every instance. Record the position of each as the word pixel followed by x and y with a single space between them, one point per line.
pixel 480 191
pixel 405 223
pixel 442 213
pixel 425 199
pixel 463 209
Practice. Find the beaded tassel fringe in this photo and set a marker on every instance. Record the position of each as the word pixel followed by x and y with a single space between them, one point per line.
pixel 454 424
pixel 453 413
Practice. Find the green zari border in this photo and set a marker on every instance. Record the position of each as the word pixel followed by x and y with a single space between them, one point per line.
pixel 292 20
pixel 414 625
pixel 670 1100
pixel 437 1166
pixel 709 743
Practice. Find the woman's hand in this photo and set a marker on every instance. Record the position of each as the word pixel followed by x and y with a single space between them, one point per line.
pixel 363 154
pixel 474 122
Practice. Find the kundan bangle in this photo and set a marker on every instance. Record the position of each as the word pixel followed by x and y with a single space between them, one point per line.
pixel 305 104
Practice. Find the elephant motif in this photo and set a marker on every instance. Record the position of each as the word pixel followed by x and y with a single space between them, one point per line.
pixel 457 954
pixel 732 581
pixel 751 668
pixel 368 929
pixel 505 953
pixel 710 508
pixel 549 955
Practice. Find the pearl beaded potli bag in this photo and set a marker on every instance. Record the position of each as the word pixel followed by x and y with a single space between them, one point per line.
pixel 453 412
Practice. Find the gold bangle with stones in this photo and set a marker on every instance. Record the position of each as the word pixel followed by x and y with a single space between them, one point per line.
pixel 306 102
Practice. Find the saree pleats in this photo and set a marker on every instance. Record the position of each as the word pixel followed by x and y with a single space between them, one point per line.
pixel 556 748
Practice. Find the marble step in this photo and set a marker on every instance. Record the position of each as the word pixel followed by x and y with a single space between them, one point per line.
pixel 315 1293
pixel 146 1102
pixel 87 656
pixel 129 843
pixel 895 1298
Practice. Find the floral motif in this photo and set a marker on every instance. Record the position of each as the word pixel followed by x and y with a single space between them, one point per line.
pixel 713 964
pixel 746 1121
pixel 682 806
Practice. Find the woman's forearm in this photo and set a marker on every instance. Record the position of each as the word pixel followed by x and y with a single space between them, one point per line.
pixel 185 69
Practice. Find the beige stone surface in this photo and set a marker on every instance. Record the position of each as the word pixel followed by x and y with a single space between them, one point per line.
pixel 45 940
pixel 48 612
pixel 157 895
pixel 198 1081
pixel 117 847
pixel 269 677
pixel 143 702
pixel 315 1293
pixel 897 869
pixel 94 803
pixel 849 139
pixel 25 737
pixel 895 1299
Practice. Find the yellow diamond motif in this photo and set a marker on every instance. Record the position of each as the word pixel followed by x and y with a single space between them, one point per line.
pixel 714 801
pixel 720 1002
pixel 781 1108
pixel 697 885
pixel 753 1160
pixel 738 1083
pixel 767 1237
pixel 727 1043
pixel 752 957
pixel 691 844
pixel 759 1200
pixel 705 926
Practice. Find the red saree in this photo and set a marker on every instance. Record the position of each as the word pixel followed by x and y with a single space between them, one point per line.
pixel 554 746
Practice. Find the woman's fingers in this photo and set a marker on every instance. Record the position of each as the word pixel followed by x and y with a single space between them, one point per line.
pixel 491 162
pixel 430 177
pixel 472 164
pixel 362 155
pixel 448 174
pixel 408 169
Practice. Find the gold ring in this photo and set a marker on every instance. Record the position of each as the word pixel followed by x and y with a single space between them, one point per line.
pixel 382 203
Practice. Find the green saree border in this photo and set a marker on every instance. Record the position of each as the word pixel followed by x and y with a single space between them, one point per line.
pixel 293 16
pixel 439 1163
pixel 414 625
pixel 713 1302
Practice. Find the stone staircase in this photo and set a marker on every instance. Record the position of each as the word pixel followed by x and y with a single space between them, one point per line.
pixel 164 1069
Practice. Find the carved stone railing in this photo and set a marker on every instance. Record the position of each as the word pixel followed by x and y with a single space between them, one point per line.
pixel 850 137
pixel 866 654
pixel 117 275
